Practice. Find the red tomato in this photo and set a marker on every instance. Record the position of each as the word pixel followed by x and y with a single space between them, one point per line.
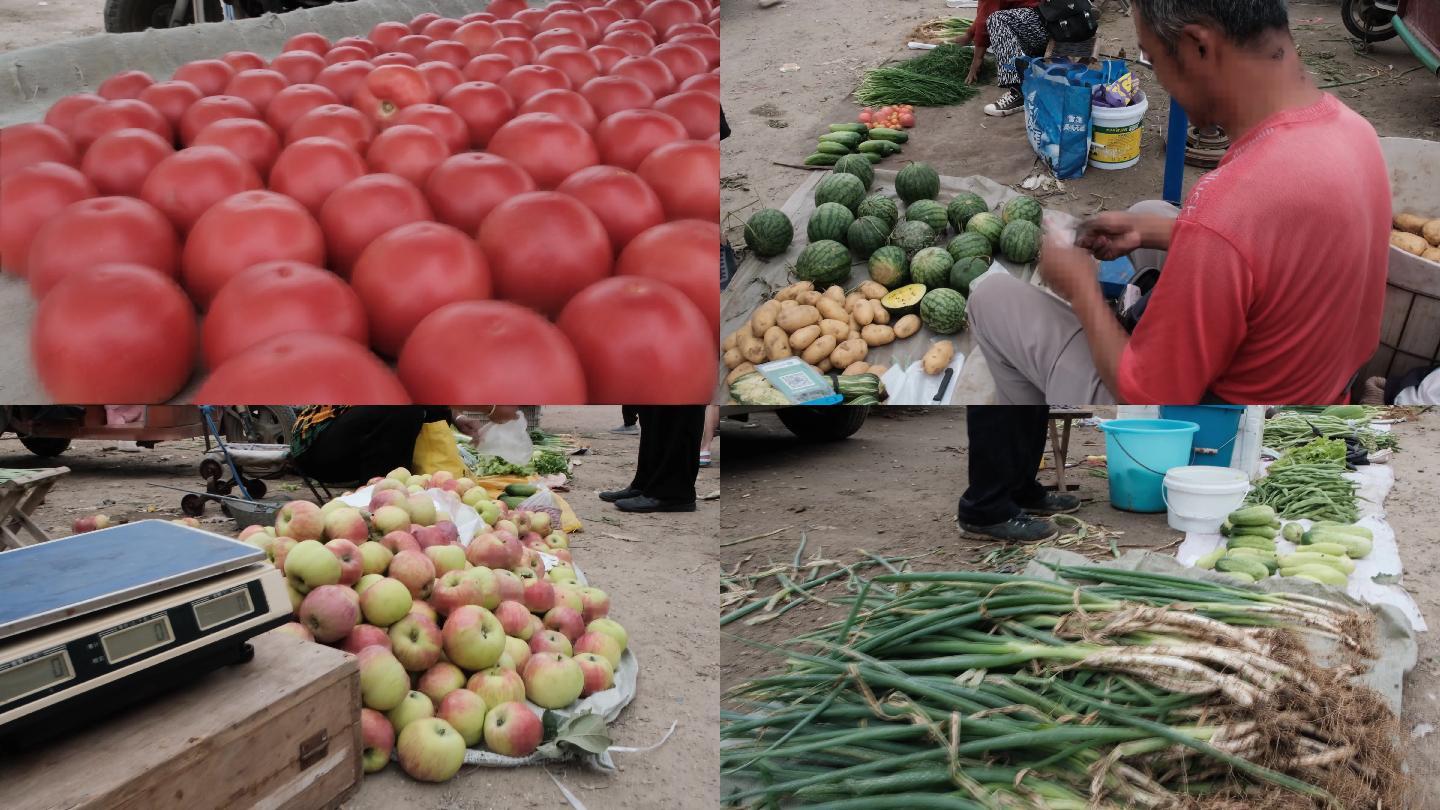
pixel 633 24
pixel 537 364
pixel 683 174
pixel 31 197
pixel 311 368
pixel 114 333
pixel 606 56
pixel 125 84
pixel 505 8
pixel 418 23
pixel 697 110
pixel 612 94
pixel 441 76
pixel 414 45
pixel 390 88
pixel 548 147
pixel 345 124
pixel 707 44
pixel 640 341
pixel 629 8
pixel 704 82
pixel 257 87
pixel 365 208
pixel 395 58
pixel 386 34
pixel 632 42
pixel 188 182
pixel 674 32
pixel 478 16
pixel 210 75
pixel 447 51
pixel 344 53
pixel 407 150
pixel 531 18
pixel 119 162
pixel 544 247
pixel 24 145
pixel 242 231
pixel 274 298
pixel 603 16
pixel 344 78
pixel 683 60
pixel 443 28
pixel 662 14
pixel 63 112
pixel 358 42
pixel 683 254
pixel 310 41
pixel 300 67
pixel 558 37
pixel 649 70
pixel 440 120
pixel 620 199
pixel 577 63
pixel 171 99
pixel 124 113
pixel 250 140
pixel 208 110
pixel 907 120
pixel 101 230
pixel 520 50
pixel 627 137
pixel 512 28
pixel 310 169
pixel 243 60
pixel 490 67
pixel 576 21
pixel 411 271
pixel 290 104
pixel 484 107
pixel 465 187
pixel 567 104
pixel 477 37
pixel 564 5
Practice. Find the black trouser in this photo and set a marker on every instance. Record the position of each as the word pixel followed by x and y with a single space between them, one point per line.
pixel 1006 444
pixel 366 441
pixel 669 451
pixel 630 414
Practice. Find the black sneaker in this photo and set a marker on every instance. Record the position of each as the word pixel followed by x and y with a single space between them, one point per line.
pixel 1054 503
pixel 645 503
pixel 619 494
pixel 1021 529
pixel 1008 104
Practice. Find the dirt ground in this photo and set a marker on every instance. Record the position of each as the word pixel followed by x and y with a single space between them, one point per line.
pixel 34 22
pixel 892 489
pixel 659 569
pixel 789 70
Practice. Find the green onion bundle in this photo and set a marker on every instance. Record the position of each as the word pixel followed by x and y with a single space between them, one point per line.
pixel 941 30
pixel 974 690
pixel 934 79
pixel 1291 429
pixel 1318 491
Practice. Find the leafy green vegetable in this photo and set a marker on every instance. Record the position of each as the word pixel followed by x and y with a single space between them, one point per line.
pixel 935 79
pixel 1322 451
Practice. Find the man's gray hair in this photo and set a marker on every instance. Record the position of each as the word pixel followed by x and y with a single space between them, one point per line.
pixel 1243 21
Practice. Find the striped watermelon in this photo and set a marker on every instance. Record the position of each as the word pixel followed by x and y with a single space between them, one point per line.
pixel 917 181
pixel 881 206
pixel 846 189
pixel 943 310
pixel 987 225
pixel 965 271
pixel 890 267
pixel 829 221
pixel 931 267
pixel 968 245
pixel 912 236
pixel 866 235
pixel 858 166
pixel 768 232
pixel 1021 208
pixel 825 262
pixel 965 205
pixel 1020 241
pixel 929 212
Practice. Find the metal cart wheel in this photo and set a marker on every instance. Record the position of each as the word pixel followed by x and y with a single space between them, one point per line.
pixel 210 469
pixel 193 505
pixel 255 487
pixel 45 447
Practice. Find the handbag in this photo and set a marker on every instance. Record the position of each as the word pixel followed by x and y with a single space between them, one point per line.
pixel 1070 20
pixel 1057 108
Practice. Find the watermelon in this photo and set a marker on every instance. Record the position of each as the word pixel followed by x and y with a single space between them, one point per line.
pixel 931 267
pixel 866 234
pixel 846 189
pixel 965 271
pixel 880 206
pixel 1021 208
pixel 943 310
pixel 968 245
pixel 1020 241
pixel 903 300
pixel 917 181
pixel 965 205
pixel 929 212
pixel 889 266
pixel 825 262
pixel 768 232
pixel 858 166
pixel 987 225
pixel 912 236
pixel 829 221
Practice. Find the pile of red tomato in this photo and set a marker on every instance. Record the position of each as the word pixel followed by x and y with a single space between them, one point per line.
pixel 521 205
pixel 893 117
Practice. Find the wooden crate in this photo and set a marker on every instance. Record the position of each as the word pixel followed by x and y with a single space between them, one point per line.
pixel 281 732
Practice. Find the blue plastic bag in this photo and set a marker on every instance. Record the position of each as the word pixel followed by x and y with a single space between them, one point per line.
pixel 1057 108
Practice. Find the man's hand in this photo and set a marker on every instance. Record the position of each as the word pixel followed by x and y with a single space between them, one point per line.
pixel 1066 269
pixel 1110 235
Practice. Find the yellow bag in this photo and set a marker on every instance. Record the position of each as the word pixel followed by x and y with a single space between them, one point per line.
pixel 435 450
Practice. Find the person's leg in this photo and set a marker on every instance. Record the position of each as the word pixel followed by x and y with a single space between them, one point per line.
pixel 1033 344
pixel 1028 494
pixel 999 463
pixel 629 416
pixel 1012 35
pixel 363 442
pixel 712 423
pixel 675 431
pixel 645 456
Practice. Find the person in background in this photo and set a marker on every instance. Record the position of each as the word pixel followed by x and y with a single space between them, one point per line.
pixel 712 423
pixel 342 444
pixel 1004 501
pixel 1010 29
pixel 630 418
pixel 667 465
pixel 120 416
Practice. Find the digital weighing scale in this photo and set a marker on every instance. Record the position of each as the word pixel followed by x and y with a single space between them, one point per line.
pixel 97 621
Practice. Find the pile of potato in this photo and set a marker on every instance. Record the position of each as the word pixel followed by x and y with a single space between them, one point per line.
pixel 829 330
pixel 1418 235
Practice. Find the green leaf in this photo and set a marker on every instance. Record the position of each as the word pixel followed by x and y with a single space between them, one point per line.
pixel 584 731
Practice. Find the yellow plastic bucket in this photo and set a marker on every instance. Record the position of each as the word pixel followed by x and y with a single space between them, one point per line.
pixel 1115 134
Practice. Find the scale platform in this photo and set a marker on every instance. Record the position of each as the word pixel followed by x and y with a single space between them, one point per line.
pixel 97 621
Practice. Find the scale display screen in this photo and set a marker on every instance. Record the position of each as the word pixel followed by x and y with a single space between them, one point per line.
pixel 33 676
pixel 223 608
pixel 137 638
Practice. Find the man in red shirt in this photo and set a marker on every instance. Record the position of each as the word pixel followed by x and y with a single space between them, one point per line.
pixel 1274 272
pixel 1011 28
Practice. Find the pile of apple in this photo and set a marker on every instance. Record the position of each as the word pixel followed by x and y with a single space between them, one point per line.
pixel 452 640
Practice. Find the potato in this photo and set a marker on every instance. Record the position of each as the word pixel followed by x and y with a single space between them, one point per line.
pixel 789 302
pixel 877 335
pixel 731 340
pixel 824 366
pixel 939 357
pixel 851 351
pixel 907 326
pixel 836 329
pixel 738 372
pixel 862 314
pixel 797 317
pixel 777 344
pixel 830 308
pixel 1433 254
pixel 1431 232
pixel 764 318
pixel 836 293
pixel 878 371
pixel 801 338
pixel 751 347
pixel 808 298
pixel 789 293
pixel 819 350
pixel 1409 242
pixel 872 289
pixel 857 367
pixel 852 299
pixel 1411 223
pixel 733 358
pixel 879 314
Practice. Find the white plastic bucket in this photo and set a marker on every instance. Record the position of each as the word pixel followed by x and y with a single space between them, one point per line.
pixel 1115 134
pixel 1197 499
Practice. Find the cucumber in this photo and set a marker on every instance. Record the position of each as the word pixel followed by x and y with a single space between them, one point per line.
pixel 1333 549
pixel 1293 532
pixel 1265 558
pixel 1341 564
pixel 1242 577
pixel 1226 527
pixel 887 134
pixel 1345 528
pixel 850 139
pixel 1267 532
pixel 1356 547
pixel 832 148
pixel 1243 565
pixel 1323 574
pixel 1247 541
pixel 821 159
pixel 1259 515
pixel 859 129
pixel 1208 561
pixel 512 501
pixel 873 157
pixel 522 490
pixel 882 147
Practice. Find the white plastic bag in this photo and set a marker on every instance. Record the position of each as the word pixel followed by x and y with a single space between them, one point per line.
pixel 507 440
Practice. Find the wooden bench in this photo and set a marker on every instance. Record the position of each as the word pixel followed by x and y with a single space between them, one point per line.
pixel 21 493
pixel 1060 421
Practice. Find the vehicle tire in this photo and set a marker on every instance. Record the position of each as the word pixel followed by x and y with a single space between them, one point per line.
pixel 127 16
pixel 823 424
pixel 44 447
pixel 266 424
pixel 1367 23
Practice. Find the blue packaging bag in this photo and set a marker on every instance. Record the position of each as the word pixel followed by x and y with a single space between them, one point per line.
pixel 1057 108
